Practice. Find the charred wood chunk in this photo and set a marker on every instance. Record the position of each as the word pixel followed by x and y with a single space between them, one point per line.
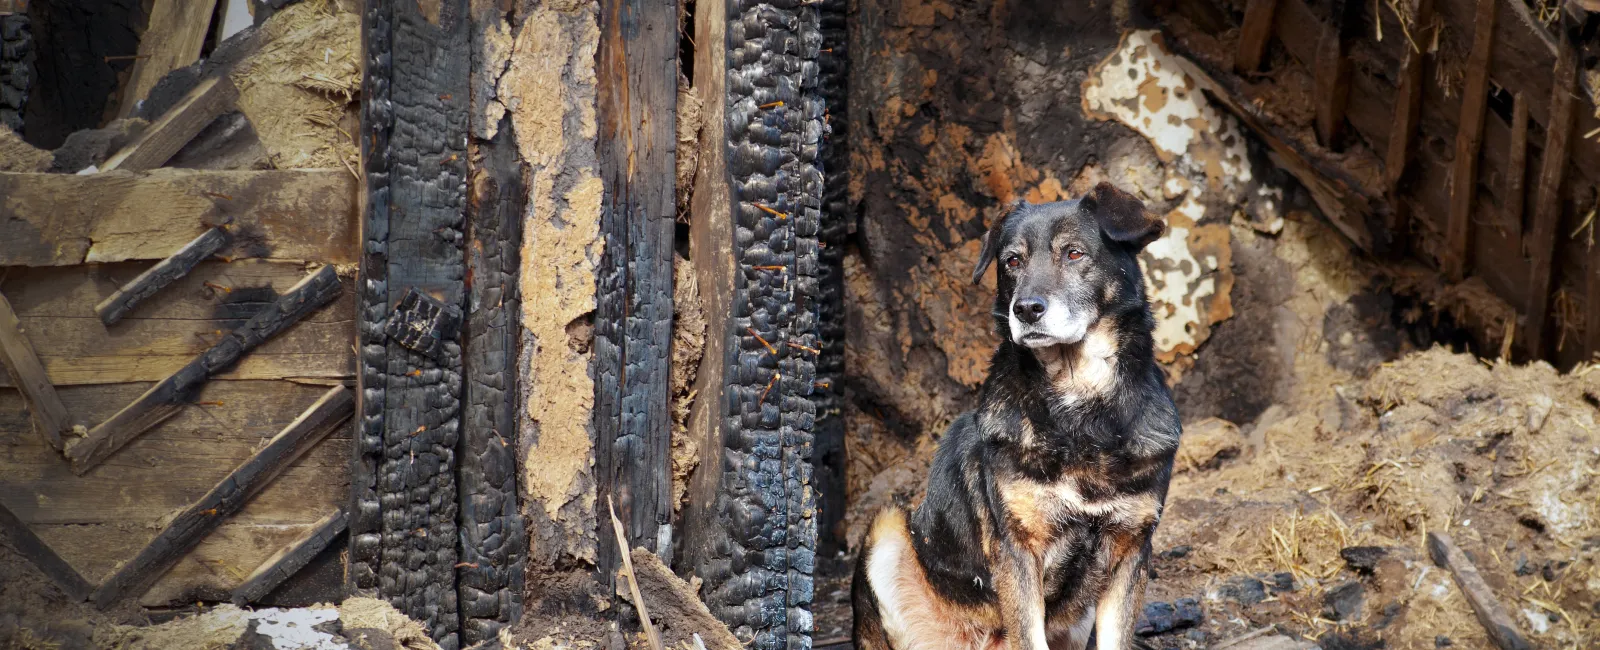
pixel 422 323
pixel 114 307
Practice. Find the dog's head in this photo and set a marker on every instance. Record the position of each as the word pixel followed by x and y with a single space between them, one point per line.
pixel 1064 265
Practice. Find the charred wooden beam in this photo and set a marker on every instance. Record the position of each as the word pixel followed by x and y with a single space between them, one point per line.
pixel 638 72
pixel 157 277
pixel 167 398
pixel 210 98
pixel 415 98
pixel 227 498
pixel 27 374
pixel 1254 35
pixel 1495 621
pixel 1547 202
pixel 34 550
pixel 1469 136
pixel 422 323
pixel 292 558
pixel 494 541
pixel 757 206
pixel 828 453
pixel 1331 73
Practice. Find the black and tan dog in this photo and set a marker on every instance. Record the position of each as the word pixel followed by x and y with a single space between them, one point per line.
pixel 1036 527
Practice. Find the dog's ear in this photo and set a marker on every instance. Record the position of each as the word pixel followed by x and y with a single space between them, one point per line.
pixel 991 242
pixel 1122 216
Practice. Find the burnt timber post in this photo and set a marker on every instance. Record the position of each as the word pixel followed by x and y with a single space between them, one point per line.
pixel 828 455
pixel 403 539
pixel 756 212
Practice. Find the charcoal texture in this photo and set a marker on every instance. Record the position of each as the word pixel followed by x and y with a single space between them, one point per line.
pixel 16 68
pixel 828 454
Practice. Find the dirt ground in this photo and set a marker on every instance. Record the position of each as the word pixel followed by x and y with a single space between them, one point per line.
pixel 1312 517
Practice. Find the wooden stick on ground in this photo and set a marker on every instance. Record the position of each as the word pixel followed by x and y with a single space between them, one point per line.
pixel 167 398
pixel 290 559
pixel 228 497
pixel 157 277
pixel 633 582
pixel 27 374
pixel 1493 617
pixel 42 556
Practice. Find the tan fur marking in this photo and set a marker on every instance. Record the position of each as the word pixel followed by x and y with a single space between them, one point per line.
pixel 912 615
pixel 1085 369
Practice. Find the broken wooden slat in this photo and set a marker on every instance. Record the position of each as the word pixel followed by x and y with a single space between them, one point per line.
pixel 27 544
pixel 66 219
pixel 227 498
pixel 173 36
pixel 115 306
pixel 1547 202
pixel 638 59
pixel 1493 617
pixel 210 98
pixel 290 559
pixel 165 399
pixel 1331 75
pixel 1409 110
pixel 1254 35
pixel 1469 136
pixel 28 375
pixel 1516 188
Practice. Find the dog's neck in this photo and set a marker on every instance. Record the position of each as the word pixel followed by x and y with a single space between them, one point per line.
pixel 1084 369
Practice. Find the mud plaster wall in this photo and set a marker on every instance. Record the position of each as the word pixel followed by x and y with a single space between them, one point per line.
pixel 966 106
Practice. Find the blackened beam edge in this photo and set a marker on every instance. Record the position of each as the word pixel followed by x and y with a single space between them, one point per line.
pixel 157 277
pixel 168 397
pixel 290 559
pixel 42 556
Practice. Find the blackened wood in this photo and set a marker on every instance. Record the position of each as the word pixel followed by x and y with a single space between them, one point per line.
pixel 29 546
pixel 1547 202
pixel 494 541
pixel 756 473
pixel 1254 35
pixel 168 397
pixel 421 323
pixel 157 277
pixel 210 98
pixel 416 85
pixel 1331 75
pixel 1514 196
pixel 227 498
pixel 289 560
pixel 1502 630
pixel 828 453
pixel 637 67
pixel 1469 136
pixel 27 374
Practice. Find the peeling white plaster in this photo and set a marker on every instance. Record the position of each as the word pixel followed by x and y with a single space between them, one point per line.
pixel 293 629
pixel 1178 282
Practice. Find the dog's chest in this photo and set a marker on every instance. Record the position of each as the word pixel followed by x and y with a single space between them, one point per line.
pixel 1038 512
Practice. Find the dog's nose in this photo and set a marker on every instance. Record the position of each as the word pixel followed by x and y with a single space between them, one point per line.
pixel 1029 310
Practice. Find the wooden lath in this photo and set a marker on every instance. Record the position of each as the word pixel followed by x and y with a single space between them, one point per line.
pixel 27 374
pixel 1547 203
pixel 1469 137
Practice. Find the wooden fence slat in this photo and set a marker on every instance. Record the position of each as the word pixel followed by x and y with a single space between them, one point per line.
pixel 42 556
pixel 292 558
pixel 1331 75
pixel 227 498
pixel 1516 186
pixel 1254 35
pixel 1469 137
pixel 1547 202
pixel 1403 134
pixel 27 374
pixel 157 277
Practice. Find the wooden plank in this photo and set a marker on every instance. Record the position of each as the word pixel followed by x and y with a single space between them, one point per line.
pixel 159 141
pixel 165 399
pixel 1409 108
pixel 289 560
pixel 1254 34
pixel 1502 630
pixel 228 497
pixel 27 544
pixel 1469 136
pixel 1514 195
pixel 1330 73
pixel 65 219
pixel 50 417
pixel 165 272
pixel 1547 200
pixel 637 67
pixel 416 93
pixel 173 36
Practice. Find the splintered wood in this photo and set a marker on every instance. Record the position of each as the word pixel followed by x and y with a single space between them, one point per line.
pixel 173 37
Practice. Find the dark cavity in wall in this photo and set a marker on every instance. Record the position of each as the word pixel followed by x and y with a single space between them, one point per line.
pixel 73 78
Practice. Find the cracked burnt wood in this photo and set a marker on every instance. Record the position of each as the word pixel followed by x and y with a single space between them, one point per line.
pixel 415 92
pixel 29 546
pixel 637 67
pixel 828 453
pixel 756 215
pixel 165 272
pixel 1547 206
pixel 186 530
pixel 290 559
pixel 494 541
pixel 172 394
pixel 1469 137
pixel 22 364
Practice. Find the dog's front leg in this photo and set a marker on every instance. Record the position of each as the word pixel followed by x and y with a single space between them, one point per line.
pixel 1020 586
pixel 1118 608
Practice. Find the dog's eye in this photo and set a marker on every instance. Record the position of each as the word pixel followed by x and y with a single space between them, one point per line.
pixel 1013 262
pixel 1074 254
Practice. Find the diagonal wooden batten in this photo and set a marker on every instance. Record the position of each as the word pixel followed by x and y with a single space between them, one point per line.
pixel 210 98
pixel 27 374
pixel 290 559
pixel 228 497
pixel 1474 104
pixel 168 398
pixel 157 277
pixel 42 556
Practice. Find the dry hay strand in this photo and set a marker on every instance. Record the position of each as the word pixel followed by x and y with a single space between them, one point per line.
pixel 299 89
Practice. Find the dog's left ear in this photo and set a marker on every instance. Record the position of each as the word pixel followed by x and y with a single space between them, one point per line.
pixel 991 242
pixel 1122 216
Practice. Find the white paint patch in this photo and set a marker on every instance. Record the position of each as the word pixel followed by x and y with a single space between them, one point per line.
pixel 1177 283
pixel 292 629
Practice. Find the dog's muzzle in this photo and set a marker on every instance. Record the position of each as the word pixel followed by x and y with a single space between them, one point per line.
pixel 1040 322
